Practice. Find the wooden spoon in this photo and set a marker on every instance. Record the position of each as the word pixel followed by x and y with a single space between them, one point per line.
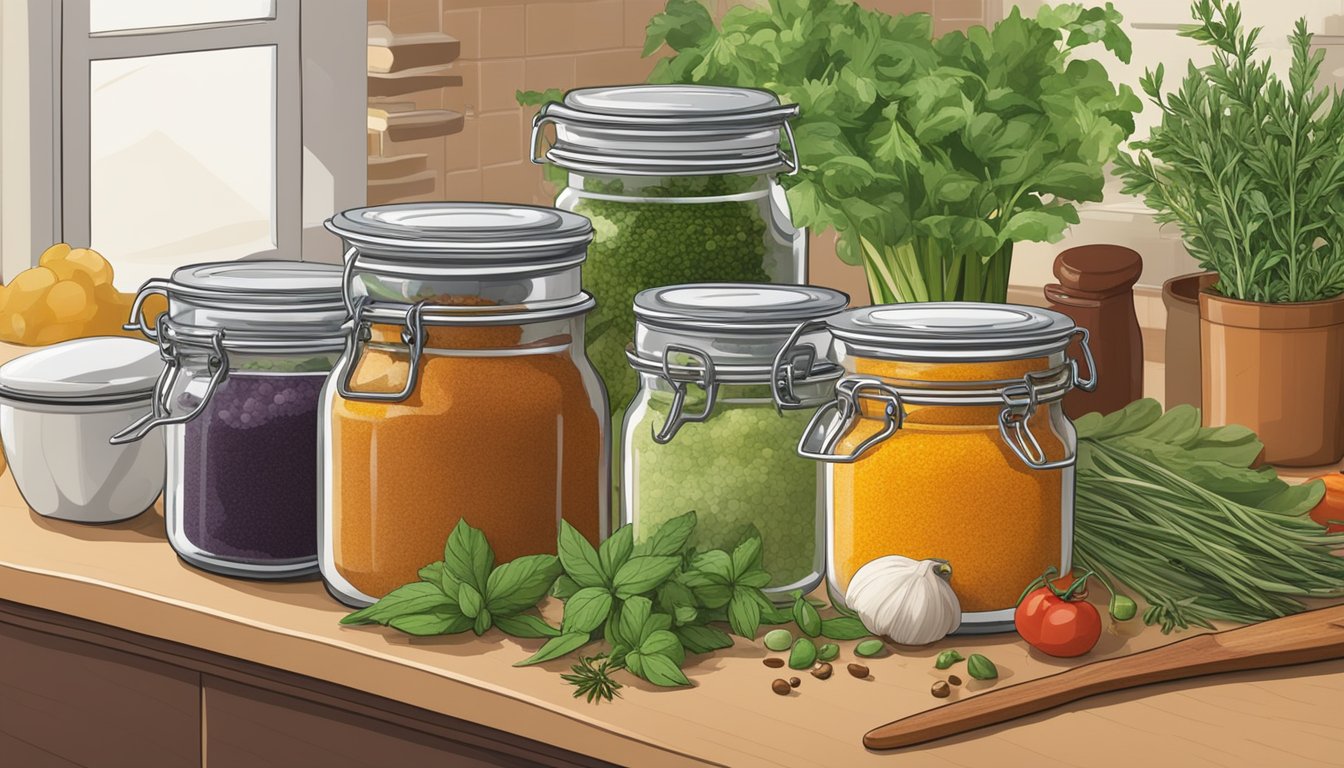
pixel 1305 637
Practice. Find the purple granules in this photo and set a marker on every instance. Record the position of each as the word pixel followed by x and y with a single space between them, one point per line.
pixel 249 469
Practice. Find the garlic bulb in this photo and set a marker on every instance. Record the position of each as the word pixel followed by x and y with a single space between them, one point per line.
pixel 909 601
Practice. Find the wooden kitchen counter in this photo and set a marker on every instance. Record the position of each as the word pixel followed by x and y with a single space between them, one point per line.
pixel 277 649
pixel 126 576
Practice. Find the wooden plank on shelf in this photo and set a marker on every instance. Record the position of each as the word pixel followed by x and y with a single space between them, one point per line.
pixel 412 80
pixel 390 52
pixel 415 124
pixel 394 190
pixel 397 166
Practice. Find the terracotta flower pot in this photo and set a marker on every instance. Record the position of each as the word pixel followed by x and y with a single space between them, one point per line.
pixel 1278 369
pixel 1181 364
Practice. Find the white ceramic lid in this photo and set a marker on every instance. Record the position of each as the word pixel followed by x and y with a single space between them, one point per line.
pixel 97 370
pixel 952 331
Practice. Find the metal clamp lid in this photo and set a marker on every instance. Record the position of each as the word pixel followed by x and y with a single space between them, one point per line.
pixel 679 377
pixel 835 419
pixel 161 410
pixel 412 335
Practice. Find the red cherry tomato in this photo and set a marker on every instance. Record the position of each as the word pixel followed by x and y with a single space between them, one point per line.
pixel 1057 621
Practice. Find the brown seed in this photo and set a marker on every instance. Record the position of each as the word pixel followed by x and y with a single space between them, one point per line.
pixel 781 687
pixel 858 670
pixel 953 679
pixel 794 682
pixel 773 663
pixel 821 671
pixel 940 690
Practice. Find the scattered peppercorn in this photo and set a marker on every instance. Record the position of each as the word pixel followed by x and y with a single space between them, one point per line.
pixel 822 671
pixel 781 687
pixel 953 679
pixel 773 662
pixel 940 690
pixel 794 682
pixel 858 670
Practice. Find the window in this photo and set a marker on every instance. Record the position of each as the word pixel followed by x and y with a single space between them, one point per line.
pixel 197 131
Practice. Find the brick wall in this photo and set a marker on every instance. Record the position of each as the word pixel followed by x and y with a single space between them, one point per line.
pixel 507 45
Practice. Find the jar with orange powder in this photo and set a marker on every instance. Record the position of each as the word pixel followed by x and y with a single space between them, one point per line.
pixel 947 439
pixel 463 392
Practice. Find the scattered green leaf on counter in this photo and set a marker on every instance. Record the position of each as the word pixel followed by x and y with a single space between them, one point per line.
pixel 778 639
pixel 843 628
pixel 828 652
pixel 981 668
pixel 1174 511
pixel 870 648
pixel 803 655
pixel 560 645
pixel 947 658
pixel 591 677
pixel 805 615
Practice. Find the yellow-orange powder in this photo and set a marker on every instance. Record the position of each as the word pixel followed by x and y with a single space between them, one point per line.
pixel 508 443
pixel 947 486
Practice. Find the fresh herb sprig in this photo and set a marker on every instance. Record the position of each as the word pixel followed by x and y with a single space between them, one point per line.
pixel 651 602
pixel 466 590
pixel 1174 511
pixel 1251 169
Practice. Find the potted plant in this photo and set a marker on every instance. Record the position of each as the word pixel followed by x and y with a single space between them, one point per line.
pixel 1252 170
pixel 929 158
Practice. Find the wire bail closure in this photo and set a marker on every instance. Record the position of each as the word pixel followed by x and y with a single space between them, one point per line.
pixel 1020 402
pixel 836 418
pixel 161 412
pixel 412 335
pixel 792 366
pixel 703 377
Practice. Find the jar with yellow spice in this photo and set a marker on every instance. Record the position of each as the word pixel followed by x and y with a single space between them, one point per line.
pixel 947 439
pixel 463 392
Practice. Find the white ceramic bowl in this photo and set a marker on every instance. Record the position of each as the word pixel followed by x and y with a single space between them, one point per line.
pixel 59 406
pixel 66 469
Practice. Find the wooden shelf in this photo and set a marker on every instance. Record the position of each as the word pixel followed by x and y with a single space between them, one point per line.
pixel 382 192
pixel 390 53
pixel 414 123
pixel 412 80
pixel 396 167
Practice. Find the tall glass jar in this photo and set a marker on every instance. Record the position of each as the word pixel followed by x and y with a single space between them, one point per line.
pixel 463 392
pixel 703 433
pixel 248 346
pixel 947 439
pixel 679 182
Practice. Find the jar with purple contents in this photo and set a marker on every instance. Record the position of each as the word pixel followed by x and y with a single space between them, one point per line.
pixel 248 347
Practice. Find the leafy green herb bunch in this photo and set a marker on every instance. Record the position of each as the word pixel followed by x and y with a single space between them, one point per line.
pixel 1250 168
pixel 928 158
pixel 651 602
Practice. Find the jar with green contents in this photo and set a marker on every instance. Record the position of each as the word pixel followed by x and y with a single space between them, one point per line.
pixel 678 181
pixel 703 434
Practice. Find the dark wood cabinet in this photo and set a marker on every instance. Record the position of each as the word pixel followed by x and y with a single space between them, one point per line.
pixel 76 694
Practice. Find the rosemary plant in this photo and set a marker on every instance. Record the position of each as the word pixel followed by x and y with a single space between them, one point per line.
pixel 1250 168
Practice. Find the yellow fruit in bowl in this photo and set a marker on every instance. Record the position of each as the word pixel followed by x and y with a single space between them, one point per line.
pixel 91 263
pixel 71 302
pixel 54 254
pixel 29 288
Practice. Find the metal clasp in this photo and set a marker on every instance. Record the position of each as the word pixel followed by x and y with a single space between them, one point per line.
pixel 704 378
pixel 1019 405
pixel 837 418
pixel 412 335
pixel 161 411
pixel 136 322
pixel 538 122
pixel 1090 383
pixel 792 365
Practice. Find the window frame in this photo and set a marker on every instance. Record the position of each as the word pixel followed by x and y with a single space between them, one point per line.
pixel 320 163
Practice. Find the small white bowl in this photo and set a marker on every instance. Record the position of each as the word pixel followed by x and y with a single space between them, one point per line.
pixel 59 406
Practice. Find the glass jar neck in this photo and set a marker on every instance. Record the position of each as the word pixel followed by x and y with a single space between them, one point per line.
pixel 713 187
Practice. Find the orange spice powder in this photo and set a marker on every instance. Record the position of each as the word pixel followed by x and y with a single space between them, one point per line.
pixel 511 444
pixel 947 486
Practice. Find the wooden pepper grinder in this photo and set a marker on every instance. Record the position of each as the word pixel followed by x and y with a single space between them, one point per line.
pixel 1095 288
